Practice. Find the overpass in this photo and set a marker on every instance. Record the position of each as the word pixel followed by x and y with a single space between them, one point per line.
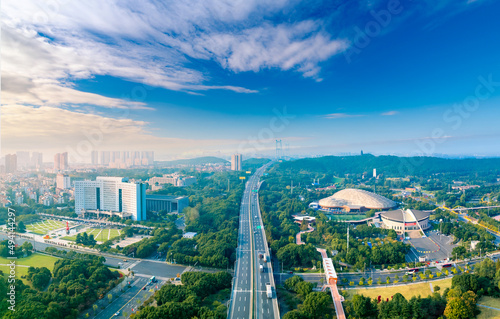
pixel 330 274
pixel 331 282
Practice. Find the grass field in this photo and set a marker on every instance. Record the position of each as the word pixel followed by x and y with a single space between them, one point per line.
pixel 45 226
pixel 488 313
pixel 408 291
pixel 489 301
pixel 35 260
pixel 105 234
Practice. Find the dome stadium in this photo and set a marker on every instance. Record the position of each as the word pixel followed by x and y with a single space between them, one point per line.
pixel 351 199
pixel 406 220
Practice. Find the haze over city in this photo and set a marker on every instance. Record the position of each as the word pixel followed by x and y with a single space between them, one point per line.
pixel 186 79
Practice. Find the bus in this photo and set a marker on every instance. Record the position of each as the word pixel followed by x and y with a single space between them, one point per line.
pixel 152 279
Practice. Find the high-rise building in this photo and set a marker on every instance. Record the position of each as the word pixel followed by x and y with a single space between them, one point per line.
pixel 105 158
pixel 236 162
pixel 37 160
pixel 115 157
pixel 148 157
pixel 111 196
pixel 57 162
pixel 61 161
pixel 63 181
pixel 64 161
pixel 23 159
pixel 94 157
pixel 10 163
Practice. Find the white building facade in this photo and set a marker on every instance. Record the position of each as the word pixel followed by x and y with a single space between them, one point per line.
pixel 112 196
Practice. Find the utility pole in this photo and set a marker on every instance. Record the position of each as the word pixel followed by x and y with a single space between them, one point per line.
pixel 347 237
pixel 228 184
pixel 291 188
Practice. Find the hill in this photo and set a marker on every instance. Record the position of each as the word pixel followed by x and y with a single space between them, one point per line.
pixel 392 166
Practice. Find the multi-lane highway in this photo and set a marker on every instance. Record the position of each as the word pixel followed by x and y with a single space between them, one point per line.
pixel 249 297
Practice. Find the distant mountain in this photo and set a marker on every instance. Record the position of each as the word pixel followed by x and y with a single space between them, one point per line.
pixel 194 161
pixel 254 163
pixel 392 165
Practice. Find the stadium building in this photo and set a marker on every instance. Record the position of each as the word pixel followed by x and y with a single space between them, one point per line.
pixel 355 200
pixel 406 220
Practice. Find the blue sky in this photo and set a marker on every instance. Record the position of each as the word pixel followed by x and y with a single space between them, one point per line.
pixel 209 78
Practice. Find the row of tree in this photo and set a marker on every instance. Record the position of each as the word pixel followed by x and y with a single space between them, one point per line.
pixel 186 301
pixel 76 285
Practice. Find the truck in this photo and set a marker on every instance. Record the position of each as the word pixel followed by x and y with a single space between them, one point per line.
pixel 261 268
pixel 269 290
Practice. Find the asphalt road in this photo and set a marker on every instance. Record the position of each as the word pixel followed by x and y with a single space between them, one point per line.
pixel 251 241
pixel 375 275
pixel 128 302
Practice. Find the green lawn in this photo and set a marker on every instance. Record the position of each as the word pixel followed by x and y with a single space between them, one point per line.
pixel 408 291
pixel 98 235
pixel 45 226
pixel 489 301
pixel 35 260
pixel 488 313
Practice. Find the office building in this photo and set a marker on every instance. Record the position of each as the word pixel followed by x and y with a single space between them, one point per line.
pixel 94 156
pixel 236 162
pixel 165 203
pixel 10 163
pixel 110 196
pixel 63 181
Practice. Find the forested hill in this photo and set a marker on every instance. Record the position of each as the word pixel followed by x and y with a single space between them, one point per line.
pixel 194 161
pixel 391 166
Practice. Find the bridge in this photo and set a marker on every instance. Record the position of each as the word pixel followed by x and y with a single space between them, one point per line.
pixel 331 282
pixel 330 274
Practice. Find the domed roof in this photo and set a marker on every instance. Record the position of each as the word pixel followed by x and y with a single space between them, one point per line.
pixel 408 215
pixel 357 197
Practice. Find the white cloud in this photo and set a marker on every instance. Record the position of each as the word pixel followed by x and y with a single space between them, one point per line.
pixel 300 46
pixel 333 116
pixel 390 113
pixel 153 43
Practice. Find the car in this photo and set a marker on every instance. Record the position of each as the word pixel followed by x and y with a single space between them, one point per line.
pixel 144 288
pixel 125 260
pixel 290 272
pixel 117 313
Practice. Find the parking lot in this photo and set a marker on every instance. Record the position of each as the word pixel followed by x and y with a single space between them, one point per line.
pixel 435 247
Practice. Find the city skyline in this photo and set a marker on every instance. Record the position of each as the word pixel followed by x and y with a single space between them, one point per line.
pixel 382 76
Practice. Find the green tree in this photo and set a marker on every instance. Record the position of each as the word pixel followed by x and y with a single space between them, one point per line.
pixel 21 228
pixel 316 304
pixel 291 283
pixel 363 306
pixel 295 314
pixel 460 305
pixel 303 288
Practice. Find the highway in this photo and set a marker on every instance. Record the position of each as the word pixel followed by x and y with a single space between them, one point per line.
pixel 249 298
